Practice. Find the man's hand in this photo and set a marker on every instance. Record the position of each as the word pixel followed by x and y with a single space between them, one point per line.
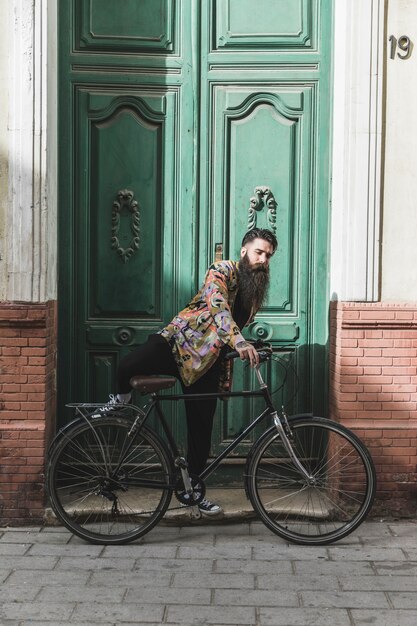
pixel 247 351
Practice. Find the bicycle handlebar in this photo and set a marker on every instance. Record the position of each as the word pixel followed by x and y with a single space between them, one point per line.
pixel 264 351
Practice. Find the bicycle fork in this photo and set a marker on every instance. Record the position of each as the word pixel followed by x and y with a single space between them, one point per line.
pixel 288 447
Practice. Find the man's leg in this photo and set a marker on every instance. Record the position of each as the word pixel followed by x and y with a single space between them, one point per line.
pixel 152 357
pixel 200 414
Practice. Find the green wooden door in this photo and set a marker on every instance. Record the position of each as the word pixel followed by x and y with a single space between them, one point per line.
pixel 182 124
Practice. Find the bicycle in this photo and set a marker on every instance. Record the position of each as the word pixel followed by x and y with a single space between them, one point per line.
pixel 110 478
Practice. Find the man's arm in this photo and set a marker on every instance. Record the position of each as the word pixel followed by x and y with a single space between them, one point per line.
pixel 215 294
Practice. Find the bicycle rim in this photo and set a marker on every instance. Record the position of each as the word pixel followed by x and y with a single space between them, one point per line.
pixel 103 492
pixel 324 508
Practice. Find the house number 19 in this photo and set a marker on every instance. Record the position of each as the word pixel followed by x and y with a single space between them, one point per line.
pixel 404 44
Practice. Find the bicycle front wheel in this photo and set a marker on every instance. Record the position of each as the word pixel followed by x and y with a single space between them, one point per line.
pixel 329 504
pixel 106 486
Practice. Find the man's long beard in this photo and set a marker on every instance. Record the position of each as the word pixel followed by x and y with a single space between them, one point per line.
pixel 253 283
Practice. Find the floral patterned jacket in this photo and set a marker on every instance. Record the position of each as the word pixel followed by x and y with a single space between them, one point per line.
pixel 197 334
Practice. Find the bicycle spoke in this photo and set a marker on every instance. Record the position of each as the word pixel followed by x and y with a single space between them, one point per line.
pixel 106 487
pixel 324 506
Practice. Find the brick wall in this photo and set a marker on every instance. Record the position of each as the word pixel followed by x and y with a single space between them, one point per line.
pixel 27 407
pixel 373 390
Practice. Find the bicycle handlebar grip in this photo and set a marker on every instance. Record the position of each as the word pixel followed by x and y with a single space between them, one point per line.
pixel 265 352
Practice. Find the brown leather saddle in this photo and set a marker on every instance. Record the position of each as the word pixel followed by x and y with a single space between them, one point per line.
pixel 151 384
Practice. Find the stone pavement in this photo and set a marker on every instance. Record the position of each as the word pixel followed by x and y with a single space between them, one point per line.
pixel 228 573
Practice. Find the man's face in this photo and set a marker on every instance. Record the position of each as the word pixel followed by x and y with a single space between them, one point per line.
pixel 258 253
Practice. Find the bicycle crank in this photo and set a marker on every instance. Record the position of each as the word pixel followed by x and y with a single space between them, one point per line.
pixel 197 495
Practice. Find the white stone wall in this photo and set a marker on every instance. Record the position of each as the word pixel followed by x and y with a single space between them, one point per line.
pixel 357 139
pixel 399 235
pixel 28 198
pixel 4 170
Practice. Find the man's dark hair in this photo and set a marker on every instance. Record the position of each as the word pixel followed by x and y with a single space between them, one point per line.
pixel 260 233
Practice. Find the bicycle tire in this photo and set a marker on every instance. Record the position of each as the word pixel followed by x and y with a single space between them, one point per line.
pixel 328 507
pixel 94 502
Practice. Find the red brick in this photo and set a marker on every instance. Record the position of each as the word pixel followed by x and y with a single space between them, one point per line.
pixel 375 361
pixel 348 361
pixel 374 380
pixel 373 334
pixel 36 360
pixel 401 397
pixel 368 397
pixel 400 415
pixel 34 351
pixel 13 397
pixel 371 370
pixel 11 388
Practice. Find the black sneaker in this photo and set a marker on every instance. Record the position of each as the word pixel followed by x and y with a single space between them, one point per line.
pixel 209 508
pixel 110 406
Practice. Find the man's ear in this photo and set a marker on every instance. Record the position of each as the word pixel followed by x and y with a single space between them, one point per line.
pixel 243 252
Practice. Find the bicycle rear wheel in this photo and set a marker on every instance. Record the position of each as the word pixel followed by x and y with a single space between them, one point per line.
pixel 106 487
pixel 325 508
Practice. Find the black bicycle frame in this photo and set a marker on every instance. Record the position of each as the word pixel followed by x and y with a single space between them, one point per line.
pixel 156 400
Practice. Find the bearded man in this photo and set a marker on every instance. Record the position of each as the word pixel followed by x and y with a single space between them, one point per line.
pixel 193 345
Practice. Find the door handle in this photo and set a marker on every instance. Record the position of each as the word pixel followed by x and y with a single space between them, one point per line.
pixel 218 252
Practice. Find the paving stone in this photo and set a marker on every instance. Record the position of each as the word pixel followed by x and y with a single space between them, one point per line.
pixel 36 537
pixel 23 529
pixel 366 553
pixel 172 565
pixel 247 597
pixel 50 612
pixel 158 595
pixel 57 549
pixel 403 600
pixel 55 623
pixel 302 617
pixel 132 579
pixel 367 617
pixel 214 581
pixel 290 581
pixel 396 568
pixel 141 551
pixel 29 562
pixel 89 563
pixel 374 529
pixel 289 553
pixel 77 593
pixel 378 583
pixel 19 593
pixel 410 551
pixel 335 568
pixel 344 599
pixel 236 566
pixel 403 528
pixel 219 615
pixel 43 579
pixel 14 549
pixel 120 613
pixel 216 552
pixel 4 573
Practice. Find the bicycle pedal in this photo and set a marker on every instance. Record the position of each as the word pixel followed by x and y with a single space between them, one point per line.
pixel 195 512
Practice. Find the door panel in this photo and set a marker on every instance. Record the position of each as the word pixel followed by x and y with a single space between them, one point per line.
pixel 127 26
pixel 182 125
pixel 278 24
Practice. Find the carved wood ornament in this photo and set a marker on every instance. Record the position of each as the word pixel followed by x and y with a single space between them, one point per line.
pixel 263 198
pixel 125 201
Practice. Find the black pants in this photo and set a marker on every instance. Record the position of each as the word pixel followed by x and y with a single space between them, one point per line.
pixel 155 357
